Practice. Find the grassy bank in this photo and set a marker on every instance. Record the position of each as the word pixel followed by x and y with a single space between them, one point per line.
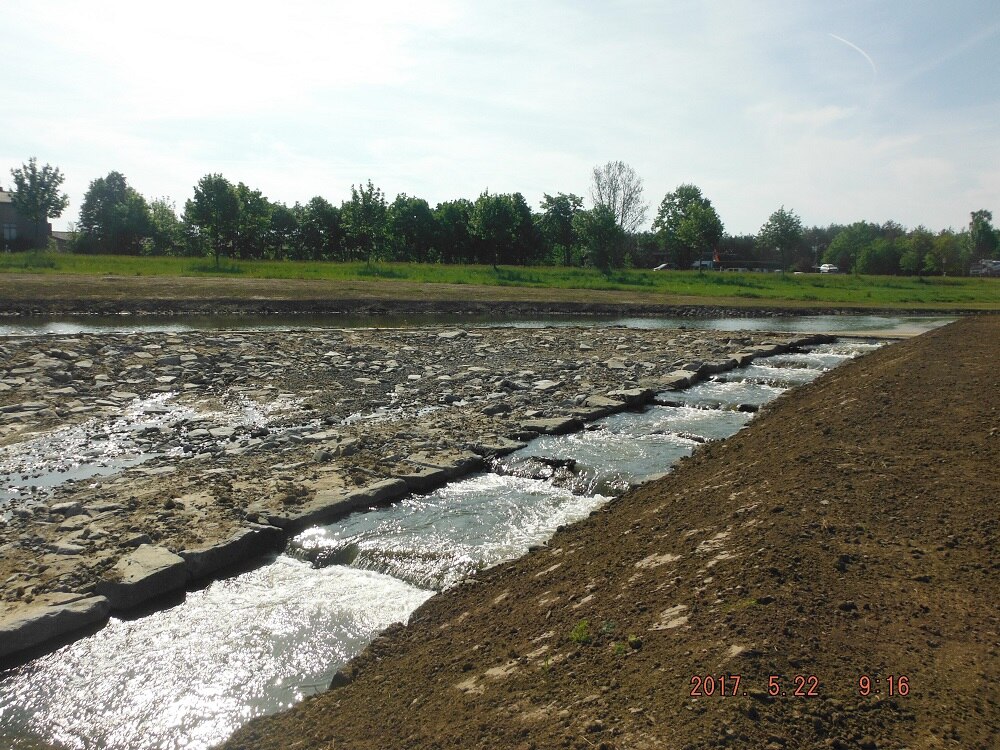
pixel 804 290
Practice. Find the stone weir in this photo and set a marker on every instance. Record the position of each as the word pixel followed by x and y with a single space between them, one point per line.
pixel 190 454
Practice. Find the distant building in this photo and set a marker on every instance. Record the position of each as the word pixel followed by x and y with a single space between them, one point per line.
pixel 20 233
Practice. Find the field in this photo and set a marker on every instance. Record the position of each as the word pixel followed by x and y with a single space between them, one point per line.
pixel 632 286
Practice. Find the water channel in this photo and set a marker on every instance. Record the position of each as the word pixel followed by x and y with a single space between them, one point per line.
pixel 836 324
pixel 260 641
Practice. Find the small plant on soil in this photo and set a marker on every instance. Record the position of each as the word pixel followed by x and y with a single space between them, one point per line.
pixel 581 632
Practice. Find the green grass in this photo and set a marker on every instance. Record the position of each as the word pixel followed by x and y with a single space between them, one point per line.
pixel 30 261
pixel 808 289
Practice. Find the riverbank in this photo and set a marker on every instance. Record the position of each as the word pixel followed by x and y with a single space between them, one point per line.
pixel 24 294
pixel 843 544
pixel 136 465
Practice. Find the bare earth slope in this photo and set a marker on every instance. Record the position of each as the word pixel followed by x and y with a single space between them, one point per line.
pixel 850 530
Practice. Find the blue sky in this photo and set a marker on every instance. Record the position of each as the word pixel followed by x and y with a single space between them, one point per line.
pixel 839 111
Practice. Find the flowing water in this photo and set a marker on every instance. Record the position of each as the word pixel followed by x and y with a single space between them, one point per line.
pixel 258 642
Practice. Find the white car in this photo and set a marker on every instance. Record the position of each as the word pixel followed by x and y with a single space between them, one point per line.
pixel 828 268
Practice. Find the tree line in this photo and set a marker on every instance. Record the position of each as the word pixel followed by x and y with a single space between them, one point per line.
pixel 235 221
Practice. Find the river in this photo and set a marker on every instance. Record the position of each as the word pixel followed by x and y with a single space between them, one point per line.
pixel 262 640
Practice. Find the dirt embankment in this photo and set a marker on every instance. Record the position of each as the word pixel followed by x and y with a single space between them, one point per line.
pixel 850 532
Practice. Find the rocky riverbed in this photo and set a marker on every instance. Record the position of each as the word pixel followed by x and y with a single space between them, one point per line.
pixel 825 578
pixel 133 464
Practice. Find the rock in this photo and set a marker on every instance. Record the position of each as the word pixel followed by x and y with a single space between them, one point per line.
pixel 456 334
pixel 66 547
pixel 633 396
pixel 222 433
pixel 346 447
pixel 33 625
pixel 242 545
pixel 679 379
pixel 320 437
pixel 145 574
pixel 425 478
pixel 552 426
pixel 329 505
pixel 28 406
pixel 496 446
pixel 546 385
pixel 67 509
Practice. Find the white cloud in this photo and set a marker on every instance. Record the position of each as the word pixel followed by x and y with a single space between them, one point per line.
pixel 754 103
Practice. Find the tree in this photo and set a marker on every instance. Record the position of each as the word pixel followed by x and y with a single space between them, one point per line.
pixel 688 225
pixel 983 239
pixel 320 234
pixel 166 230
pixel 915 247
pixel 253 221
pixel 213 214
pixel 114 217
pixel 602 237
pixel 846 247
pixel 36 195
pixel 527 245
pixel 617 187
pixel 454 241
pixel 880 256
pixel 365 219
pixel 556 223
pixel 494 224
pixel 944 255
pixel 282 231
pixel 783 231
pixel 412 228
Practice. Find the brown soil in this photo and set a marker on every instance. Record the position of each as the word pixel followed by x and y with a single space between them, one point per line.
pixel 851 530
pixel 61 294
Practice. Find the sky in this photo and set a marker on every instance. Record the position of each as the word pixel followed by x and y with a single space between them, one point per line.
pixel 840 110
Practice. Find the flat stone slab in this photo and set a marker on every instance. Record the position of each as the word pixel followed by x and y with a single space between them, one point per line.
pixel 547 385
pixel 425 478
pixel 144 574
pixel 30 626
pixel 242 545
pixel 553 425
pixel 721 366
pixel 432 471
pixel 497 446
pixel 329 505
pixel 633 396
pixel 28 406
pixel 457 463
pixel 679 379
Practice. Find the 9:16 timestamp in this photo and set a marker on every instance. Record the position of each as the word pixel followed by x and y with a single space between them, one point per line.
pixel 893 685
